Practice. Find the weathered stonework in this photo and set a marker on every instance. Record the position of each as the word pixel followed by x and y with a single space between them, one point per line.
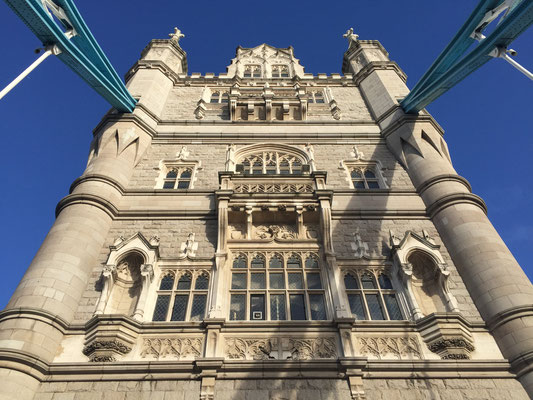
pixel 267 233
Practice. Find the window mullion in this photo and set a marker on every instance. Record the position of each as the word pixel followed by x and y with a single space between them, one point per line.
pixel 383 305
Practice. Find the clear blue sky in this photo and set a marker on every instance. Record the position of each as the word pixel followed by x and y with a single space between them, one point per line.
pixel 46 122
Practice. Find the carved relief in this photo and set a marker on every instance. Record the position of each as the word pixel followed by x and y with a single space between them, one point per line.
pixel 176 348
pixel 237 231
pixel 279 232
pixel 452 348
pixel 250 349
pixel 399 348
pixel 273 188
pixel 105 350
pixel 311 231
pixel 308 349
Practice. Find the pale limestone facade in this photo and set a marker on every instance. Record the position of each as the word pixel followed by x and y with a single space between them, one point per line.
pixel 268 233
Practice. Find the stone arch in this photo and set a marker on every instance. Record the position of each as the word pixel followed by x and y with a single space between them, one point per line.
pixel 425 282
pixel 423 273
pixel 127 276
pixel 127 287
pixel 260 148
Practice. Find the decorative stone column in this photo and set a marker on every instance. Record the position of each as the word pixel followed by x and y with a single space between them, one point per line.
pixel 147 274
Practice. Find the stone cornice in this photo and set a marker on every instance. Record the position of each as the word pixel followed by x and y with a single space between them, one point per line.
pixel 96 201
pixel 36 314
pixel 378 66
pixel 456 198
pixel 232 369
pixel 443 178
pixel 408 118
pixel 508 315
pixel 114 117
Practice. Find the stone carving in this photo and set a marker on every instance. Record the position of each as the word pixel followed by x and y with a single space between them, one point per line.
pixel 311 231
pixel 273 188
pixel 189 247
pixel 351 36
pixel 183 153
pixel 454 348
pixel 237 231
pixel 356 153
pixel 176 36
pixel 154 240
pixel 250 349
pixel 308 349
pixel 177 348
pixel 103 358
pixel 280 232
pixel 398 348
pixel 104 350
pixel 359 247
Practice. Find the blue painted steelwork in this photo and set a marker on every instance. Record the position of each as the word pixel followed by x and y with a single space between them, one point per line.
pixel 449 68
pixel 81 52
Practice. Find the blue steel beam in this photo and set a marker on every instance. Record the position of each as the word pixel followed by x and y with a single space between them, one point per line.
pixel 449 69
pixel 81 53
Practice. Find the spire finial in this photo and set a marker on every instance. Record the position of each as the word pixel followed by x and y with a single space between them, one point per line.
pixel 351 36
pixel 176 35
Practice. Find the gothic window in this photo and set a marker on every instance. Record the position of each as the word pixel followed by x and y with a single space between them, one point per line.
pixel 218 97
pixel 272 163
pixel 280 71
pixel 178 178
pixel 252 71
pixel 179 300
pixel 315 97
pixel 364 178
pixel 371 296
pixel 277 287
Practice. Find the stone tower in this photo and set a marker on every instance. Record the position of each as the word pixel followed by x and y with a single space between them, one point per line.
pixel 268 233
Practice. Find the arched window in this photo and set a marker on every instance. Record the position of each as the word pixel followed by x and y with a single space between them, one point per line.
pixel 277 291
pixel 215 97
pixel 280 71
pixel 240 261
pixel 219 97
pixel 178 178
pixel 315 97
pixel 183 301
pixel 252 71
pixel 271 163
pixel 364 178
pixel 370 298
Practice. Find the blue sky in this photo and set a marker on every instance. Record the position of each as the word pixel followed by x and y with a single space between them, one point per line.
pixel 46 122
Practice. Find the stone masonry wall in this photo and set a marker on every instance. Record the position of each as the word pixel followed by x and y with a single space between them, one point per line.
pixel 288 389
pixel 213 157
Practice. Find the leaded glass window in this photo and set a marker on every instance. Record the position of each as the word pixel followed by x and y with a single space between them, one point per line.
pixel 272 163
pixel 371 296
pixel 276 286
pixel 178 178
pixel 364 178
pixel 181 299
pixel 315 97
pixel 252 71
pixel 280 71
